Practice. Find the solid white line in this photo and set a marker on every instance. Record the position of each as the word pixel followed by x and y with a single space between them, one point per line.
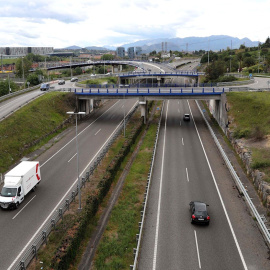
pixel 72 157
pixel 75 182
pixel 97 132
pixel 183 141
pixel 159 196
pixel 23 208
pixel 220 197
pixel 197 247
pixel 187 174
pixel 78 135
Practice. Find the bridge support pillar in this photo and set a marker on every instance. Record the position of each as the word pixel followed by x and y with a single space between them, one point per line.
pixel 218 108
pixel 85 105
pixel 144 109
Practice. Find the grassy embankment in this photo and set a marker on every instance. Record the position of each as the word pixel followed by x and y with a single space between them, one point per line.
pixel 32 126
pixel 249 114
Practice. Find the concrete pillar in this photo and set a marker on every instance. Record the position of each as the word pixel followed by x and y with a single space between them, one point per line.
pixel 85 105
pixel 144 109
pixel 158 81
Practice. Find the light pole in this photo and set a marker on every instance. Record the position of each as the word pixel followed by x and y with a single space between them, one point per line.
pixel 77 148
pixel 23 72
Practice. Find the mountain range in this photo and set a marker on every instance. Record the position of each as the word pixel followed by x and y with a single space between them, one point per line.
pixel 214 43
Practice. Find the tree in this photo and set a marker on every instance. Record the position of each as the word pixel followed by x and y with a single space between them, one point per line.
pixel 22 67
pixel 240 59
pixel 266 44
pixel 249 61
pixel 214 70
pixel 33 79
pixel 78 71
pixel 4 87
pixel 107 57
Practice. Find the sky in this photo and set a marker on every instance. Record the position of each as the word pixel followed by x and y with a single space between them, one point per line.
pixel 63 23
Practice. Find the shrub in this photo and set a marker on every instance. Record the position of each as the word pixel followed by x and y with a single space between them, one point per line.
pixel 241 133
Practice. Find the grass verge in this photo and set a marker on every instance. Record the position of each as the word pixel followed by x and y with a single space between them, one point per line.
pixel 32 126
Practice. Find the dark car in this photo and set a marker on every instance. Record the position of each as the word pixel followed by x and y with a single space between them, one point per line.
pixel 199 212
pixel 186 117
pixel 45 87
pixel 60 82
pixel 74 79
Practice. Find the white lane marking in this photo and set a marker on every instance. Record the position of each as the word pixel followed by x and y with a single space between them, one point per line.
pixel 97 132
pixel 72 157
pixel 78 135
pixel 178 102
pixel 197 247
pixel 160 191
pixel 187 174
pixel 75 182
pixel 219 194
pixel 178 110
pixel 183 141
pixel 23 208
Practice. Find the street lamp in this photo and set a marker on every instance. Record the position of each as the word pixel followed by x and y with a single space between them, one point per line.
pixel 79 182
pixel 23 73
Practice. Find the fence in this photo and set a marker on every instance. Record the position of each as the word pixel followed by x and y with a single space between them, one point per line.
pixel 41 236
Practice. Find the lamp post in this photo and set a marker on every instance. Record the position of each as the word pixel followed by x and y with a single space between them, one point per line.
pixel 23 72
pixel 77 148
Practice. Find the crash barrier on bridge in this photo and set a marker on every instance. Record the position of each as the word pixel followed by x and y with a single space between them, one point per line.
pixel 41 236
pixel 236 83
pixel 146 194
pixel 151 92
pixel 147 85
pixel 241 188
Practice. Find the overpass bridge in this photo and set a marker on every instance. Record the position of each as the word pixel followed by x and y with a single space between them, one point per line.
pixel 216 95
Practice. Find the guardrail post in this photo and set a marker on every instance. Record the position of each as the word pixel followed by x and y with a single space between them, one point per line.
pixel 73 195
pixel 87 175
pixel 131 267
pixel 60 212
pixel 67 203
pixel 44 236
pixel 22 265
pixel 34 250
pixel 134 251
pixel 83 181
pixel 53 223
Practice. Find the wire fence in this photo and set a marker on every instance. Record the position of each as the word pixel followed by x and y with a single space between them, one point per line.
pixel 42 235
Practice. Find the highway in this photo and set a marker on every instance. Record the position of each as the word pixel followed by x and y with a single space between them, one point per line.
pixel 188 167
pixel 59 174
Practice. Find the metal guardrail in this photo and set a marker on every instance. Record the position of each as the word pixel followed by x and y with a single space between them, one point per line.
pixel 146 194
pixel 19 92
pixel 239 184
pixel 57 214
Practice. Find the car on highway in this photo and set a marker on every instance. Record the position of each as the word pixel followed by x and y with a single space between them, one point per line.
pixel 45 87
pixel 74 79
pixel 61 82
pixel 186 117
pixel 199 212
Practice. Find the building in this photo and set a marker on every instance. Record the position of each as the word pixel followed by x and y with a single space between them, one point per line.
pixel 21 51
pixel 131 52
pixel 120 52
pixel 138 51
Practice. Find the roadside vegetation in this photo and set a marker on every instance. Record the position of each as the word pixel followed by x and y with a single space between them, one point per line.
pixel 32 126
pixel 249 116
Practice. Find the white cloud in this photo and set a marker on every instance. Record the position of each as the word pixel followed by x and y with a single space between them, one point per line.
pixel 60 23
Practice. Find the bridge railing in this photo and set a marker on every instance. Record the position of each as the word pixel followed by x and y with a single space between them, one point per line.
pixel 149 91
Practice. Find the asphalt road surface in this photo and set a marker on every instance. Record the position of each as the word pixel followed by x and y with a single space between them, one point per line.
pixel 186 170
pixel 58 175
